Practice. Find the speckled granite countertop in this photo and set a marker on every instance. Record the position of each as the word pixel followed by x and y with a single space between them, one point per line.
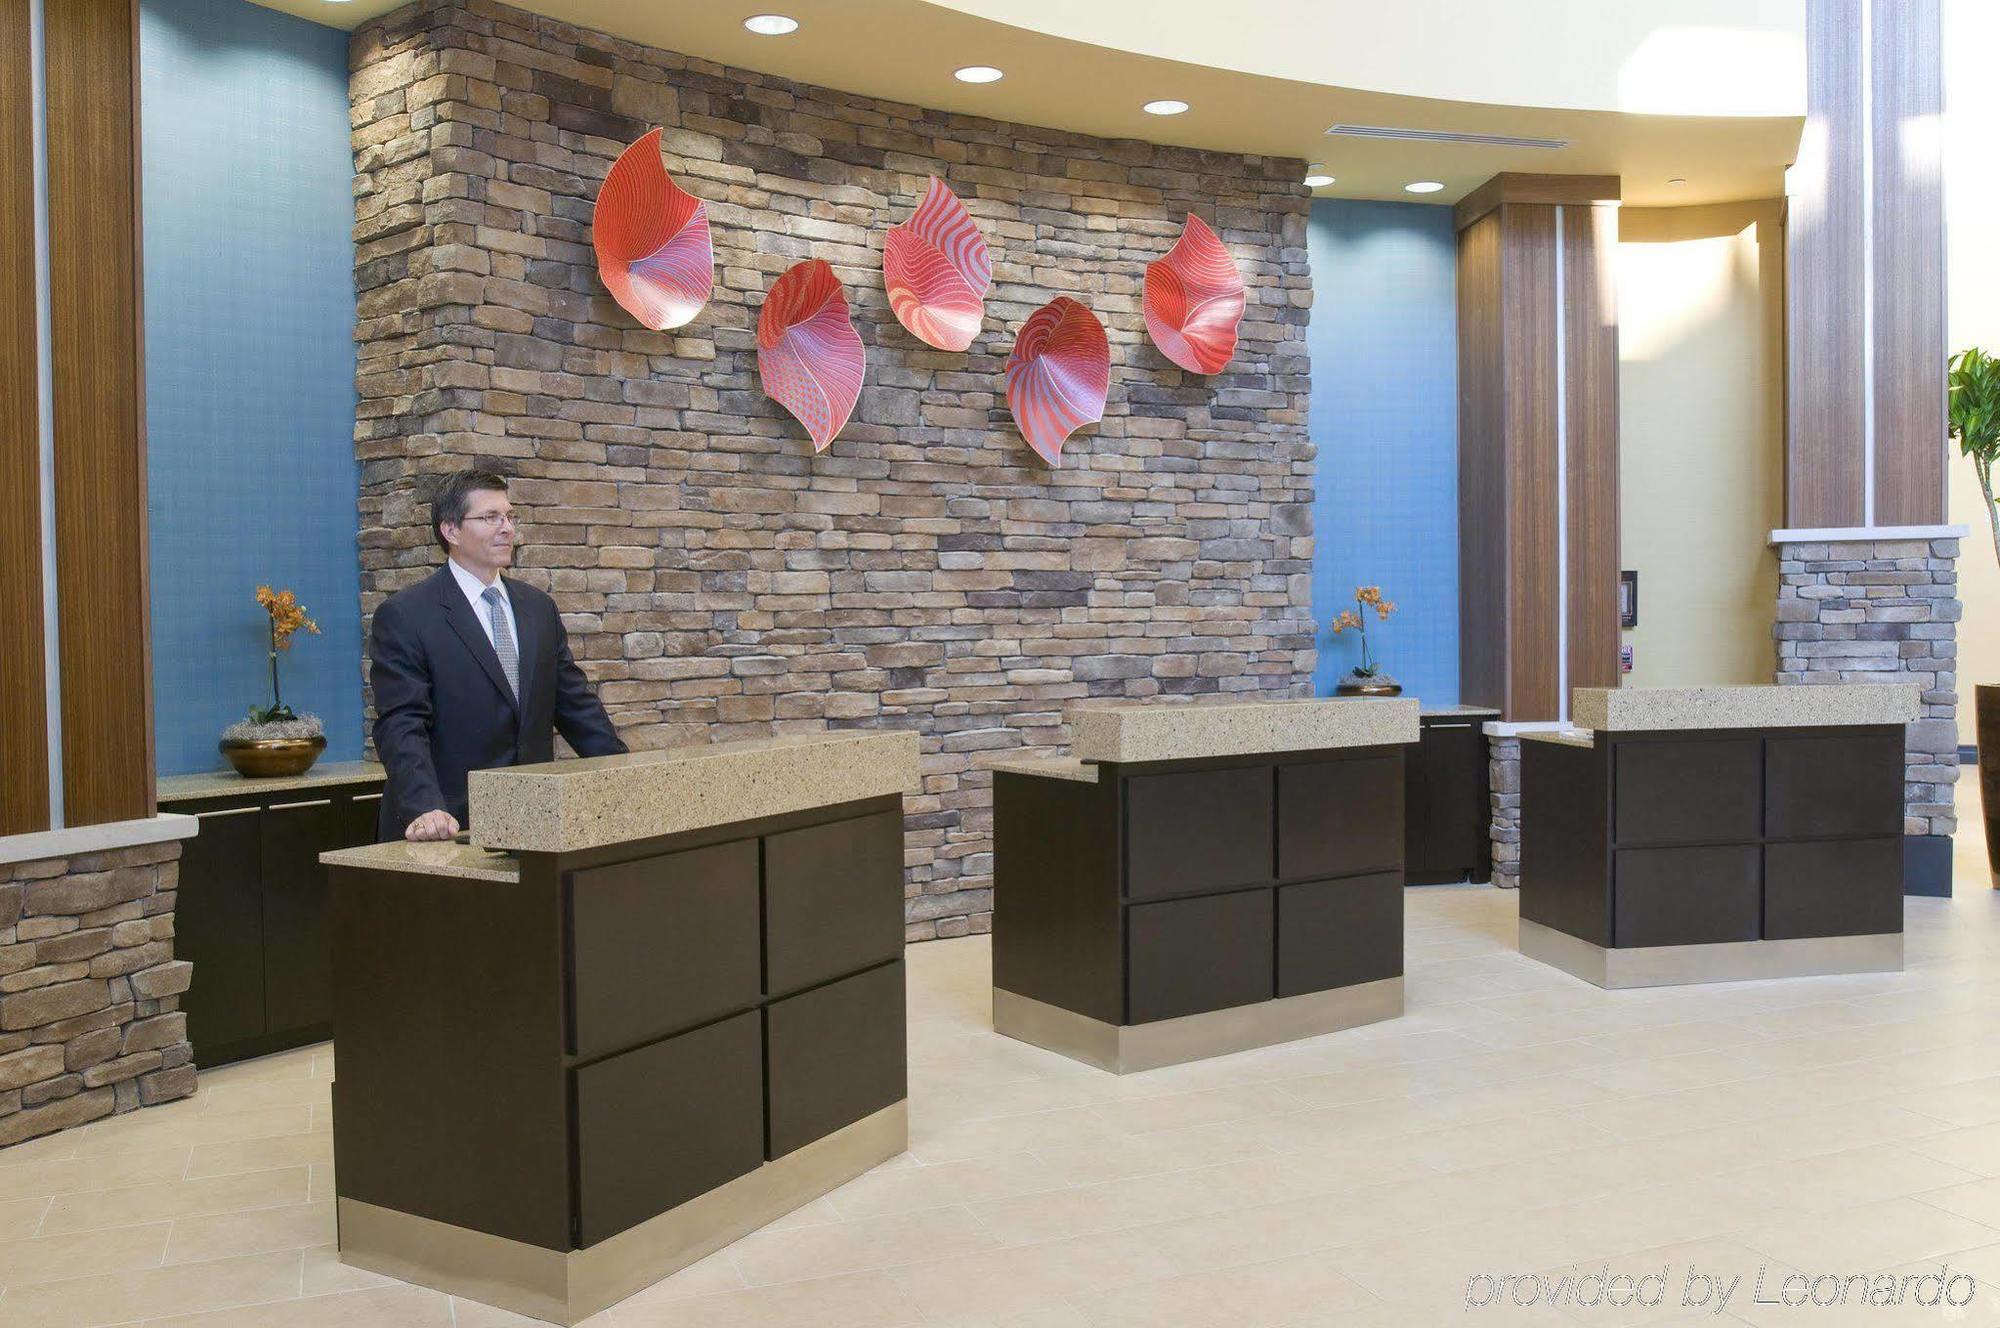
pixel 1051 767
pixel 1653 708
pixel 564 806
pixel 226 783
pixel 1456 711
pixel 1562 737
pixel 428 859
pixel 1170 731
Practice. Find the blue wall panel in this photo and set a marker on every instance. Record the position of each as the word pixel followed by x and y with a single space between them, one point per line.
pixel 249 297
pixel 1385 419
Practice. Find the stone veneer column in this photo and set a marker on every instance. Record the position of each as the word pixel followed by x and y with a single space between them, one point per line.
pixel 89 989
pixel 1884 610
pixel 1503 781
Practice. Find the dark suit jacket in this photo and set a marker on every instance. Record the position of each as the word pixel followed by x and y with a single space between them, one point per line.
pixel 442 703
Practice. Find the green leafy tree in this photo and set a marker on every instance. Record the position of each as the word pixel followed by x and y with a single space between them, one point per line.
pixel 1975 421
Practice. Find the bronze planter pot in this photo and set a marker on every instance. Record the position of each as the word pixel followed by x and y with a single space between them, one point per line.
pixel 1352 686
pixel 1987 705
pixel 266 758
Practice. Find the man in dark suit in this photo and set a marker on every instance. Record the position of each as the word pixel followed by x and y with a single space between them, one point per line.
pixel 471 670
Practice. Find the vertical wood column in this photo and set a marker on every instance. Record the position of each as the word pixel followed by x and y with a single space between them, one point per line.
pixel 1590 341
pixel 1538 442
pixel 24 724
pixel 1865 442
pixel 91 53
pixel 1907 197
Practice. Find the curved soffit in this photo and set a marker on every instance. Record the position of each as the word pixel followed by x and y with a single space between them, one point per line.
pixel 906 51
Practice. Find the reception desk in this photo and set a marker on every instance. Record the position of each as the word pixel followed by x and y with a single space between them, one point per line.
pixel 1202 878
pixel 656 1004
pixel 1707 834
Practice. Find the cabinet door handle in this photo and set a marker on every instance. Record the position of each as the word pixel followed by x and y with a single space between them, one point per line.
pixel 226 811
pixel 366 797
pixel 1449 726
pixel 287 806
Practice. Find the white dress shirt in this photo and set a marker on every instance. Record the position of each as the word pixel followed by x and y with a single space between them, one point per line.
pixel 474 588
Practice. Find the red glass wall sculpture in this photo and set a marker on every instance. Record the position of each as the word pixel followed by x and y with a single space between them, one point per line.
pixel 1058 375
pixel 809 356
pixel 1194 300
pixel 651 237
pixel 936 268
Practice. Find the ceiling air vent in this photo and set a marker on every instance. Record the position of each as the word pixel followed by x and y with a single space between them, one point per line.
pixel 1441 136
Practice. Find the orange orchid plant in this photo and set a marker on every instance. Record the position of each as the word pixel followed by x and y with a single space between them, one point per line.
pixel 1356 619
pixel 286 618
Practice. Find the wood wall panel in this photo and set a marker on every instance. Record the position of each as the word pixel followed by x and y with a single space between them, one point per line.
pixel 100 480
pixel 1590 334
pixel 24 755
pixel 1482 508
pixel 1907 69
pixel 1538 446
pixel 1824 465
pixel 1529 187
pixel 1528 346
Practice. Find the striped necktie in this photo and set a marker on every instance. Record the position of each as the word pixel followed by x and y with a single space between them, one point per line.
pixel 503 640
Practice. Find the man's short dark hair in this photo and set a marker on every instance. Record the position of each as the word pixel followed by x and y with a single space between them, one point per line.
pixel 455 495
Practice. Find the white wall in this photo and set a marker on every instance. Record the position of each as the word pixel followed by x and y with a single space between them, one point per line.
pixel 1701 437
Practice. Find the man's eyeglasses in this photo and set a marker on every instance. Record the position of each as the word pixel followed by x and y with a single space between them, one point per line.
pixel 495 519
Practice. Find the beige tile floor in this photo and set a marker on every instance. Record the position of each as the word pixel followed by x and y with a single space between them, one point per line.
pixel 1515 1122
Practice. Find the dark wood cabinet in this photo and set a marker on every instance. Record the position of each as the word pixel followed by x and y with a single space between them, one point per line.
pixel 1447 810
pixel 1846 785
pixel 1686 896
pixel 667 1122
pixel 1833 887
pixel 298 974
pixel 219 929
pixel 1188 956
pixel 835 1054
pixel 680 928
pixel 833 900
pixel 561 1057
pixel 1158 891
pixel 1336 818
pixel 251 912
pixel 1708 837
pixel 1336 933
pixel 1697 790
pixel 1198 830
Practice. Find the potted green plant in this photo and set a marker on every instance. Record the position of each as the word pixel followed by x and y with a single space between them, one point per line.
pixel 1975 423
pixel 1366 678
pixel 276 740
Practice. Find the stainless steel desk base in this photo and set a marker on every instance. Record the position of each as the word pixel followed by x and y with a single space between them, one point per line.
pixel 567 1287
pixel 1125 1048
pixel 1732 961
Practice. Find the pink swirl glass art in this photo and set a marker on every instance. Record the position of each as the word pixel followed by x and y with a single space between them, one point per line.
pixel 809 357
pixel 1194 300
pixel 936 269
pixel 651 237
pixel 1058 375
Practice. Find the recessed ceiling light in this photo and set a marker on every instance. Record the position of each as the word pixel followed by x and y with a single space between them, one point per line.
pixel 771 25
pixel 1318 181
pixel 1422 187
pixel 977 74
pixel 1678 179
pixel 1167 107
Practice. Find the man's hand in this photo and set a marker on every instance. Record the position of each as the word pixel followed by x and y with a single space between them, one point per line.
pixel 439 824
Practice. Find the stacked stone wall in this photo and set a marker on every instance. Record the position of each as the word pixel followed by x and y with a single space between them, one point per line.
pixel 1882 611
pixel 89 989
pixel 927 572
